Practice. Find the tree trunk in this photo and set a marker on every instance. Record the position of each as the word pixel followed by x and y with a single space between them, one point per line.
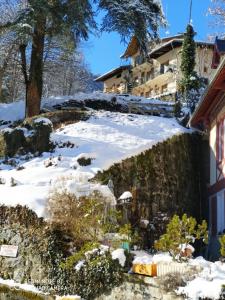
pixel 35 82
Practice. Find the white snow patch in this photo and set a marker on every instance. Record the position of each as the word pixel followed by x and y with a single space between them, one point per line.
pixel 208 283
pixel 119 254
pixel 24 286
pixel 125 195
pixel 44 121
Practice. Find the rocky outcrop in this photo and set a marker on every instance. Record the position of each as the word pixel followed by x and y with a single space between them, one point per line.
pixel 140 288
pixel 33 137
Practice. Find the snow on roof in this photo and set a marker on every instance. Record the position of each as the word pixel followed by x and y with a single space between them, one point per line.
pixel 126 195
pixel 112 73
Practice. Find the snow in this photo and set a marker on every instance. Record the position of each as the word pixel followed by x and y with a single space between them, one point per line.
pixel 12 111
pixel 79 265
pixel 182 247
pixel 208 283
pixel 106 137
pixel 24 286
pixel 125 195
pixel 143 260
pixel 119 254
pixel 44 121
pixel 16 111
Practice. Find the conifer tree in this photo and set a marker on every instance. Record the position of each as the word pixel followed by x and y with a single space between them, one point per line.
pixel 191 85
pixel 188 54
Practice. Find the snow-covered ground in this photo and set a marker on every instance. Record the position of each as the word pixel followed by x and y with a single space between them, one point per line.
pixel 16 110
pixel 205 285
pixel 106 138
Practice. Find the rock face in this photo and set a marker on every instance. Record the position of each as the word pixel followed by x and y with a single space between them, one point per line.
pixel 34 137
pixel 37 246
pixel 169 178
pixel 11 141
pixel 139 288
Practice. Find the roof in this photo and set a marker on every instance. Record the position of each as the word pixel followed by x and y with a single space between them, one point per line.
pixel 220 45
pixel 219 49
pixel 169 38
pixel 171 44
pixel 210 97
pixel 112 73
pixel 132 48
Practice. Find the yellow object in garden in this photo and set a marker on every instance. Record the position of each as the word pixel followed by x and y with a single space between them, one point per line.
pixel 145 269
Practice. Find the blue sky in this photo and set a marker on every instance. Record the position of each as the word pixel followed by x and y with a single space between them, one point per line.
pixel 103 53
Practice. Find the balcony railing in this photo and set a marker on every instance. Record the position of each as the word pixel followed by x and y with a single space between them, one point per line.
pixel 139 60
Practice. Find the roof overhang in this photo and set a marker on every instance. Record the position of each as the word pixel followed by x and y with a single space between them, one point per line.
pixel 112 73
pixel 171 44
pixel 132 48
pixel 210 98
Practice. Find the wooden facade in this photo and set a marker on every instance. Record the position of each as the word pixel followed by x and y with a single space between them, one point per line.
pixel 210 116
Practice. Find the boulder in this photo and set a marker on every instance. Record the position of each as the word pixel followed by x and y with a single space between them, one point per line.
pixel 11 141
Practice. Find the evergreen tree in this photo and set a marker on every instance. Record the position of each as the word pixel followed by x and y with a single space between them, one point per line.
pixel 188 54
pixel 74 19
pixel 191 85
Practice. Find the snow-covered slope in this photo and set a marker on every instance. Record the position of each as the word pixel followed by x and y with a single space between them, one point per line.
pixel 16 110
pixel 106 138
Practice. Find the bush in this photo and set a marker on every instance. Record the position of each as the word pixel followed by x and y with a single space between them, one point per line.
pixel 97 274
pixel 222 245
pixel 83 161
pixel 82 217
pixel 179 232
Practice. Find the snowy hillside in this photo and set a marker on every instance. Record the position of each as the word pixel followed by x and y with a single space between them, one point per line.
pixel 105 138
pixel 16 110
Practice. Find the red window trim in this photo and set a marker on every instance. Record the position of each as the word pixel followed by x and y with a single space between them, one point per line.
pixel 220 127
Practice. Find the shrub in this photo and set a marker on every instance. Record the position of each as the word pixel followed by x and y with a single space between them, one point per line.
pixel 82 217
pixel 181 231
pixel 97 274
pixel 83 161
pixel 222 245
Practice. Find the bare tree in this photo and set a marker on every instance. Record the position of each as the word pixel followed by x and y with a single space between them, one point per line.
pixel 217 11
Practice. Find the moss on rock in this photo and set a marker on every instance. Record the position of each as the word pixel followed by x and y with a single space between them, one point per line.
pixel 170 178
pixel 11 142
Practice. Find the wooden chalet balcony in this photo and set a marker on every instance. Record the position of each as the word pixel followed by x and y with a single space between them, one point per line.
pixel 156 79
pixel 115 90
pixel 141 63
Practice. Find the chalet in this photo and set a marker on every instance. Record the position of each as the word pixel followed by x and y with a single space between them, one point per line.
pixel 115 81
pixel 158 73
pixel 210 116
pixel 218 52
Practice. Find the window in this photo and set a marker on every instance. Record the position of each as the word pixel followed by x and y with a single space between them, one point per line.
pixel 220 151
pixel 163 67
pixel 205 69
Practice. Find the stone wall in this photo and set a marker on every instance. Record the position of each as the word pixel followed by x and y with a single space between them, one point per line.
pixel 139 288
pixel 39 245
pixel 169 178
